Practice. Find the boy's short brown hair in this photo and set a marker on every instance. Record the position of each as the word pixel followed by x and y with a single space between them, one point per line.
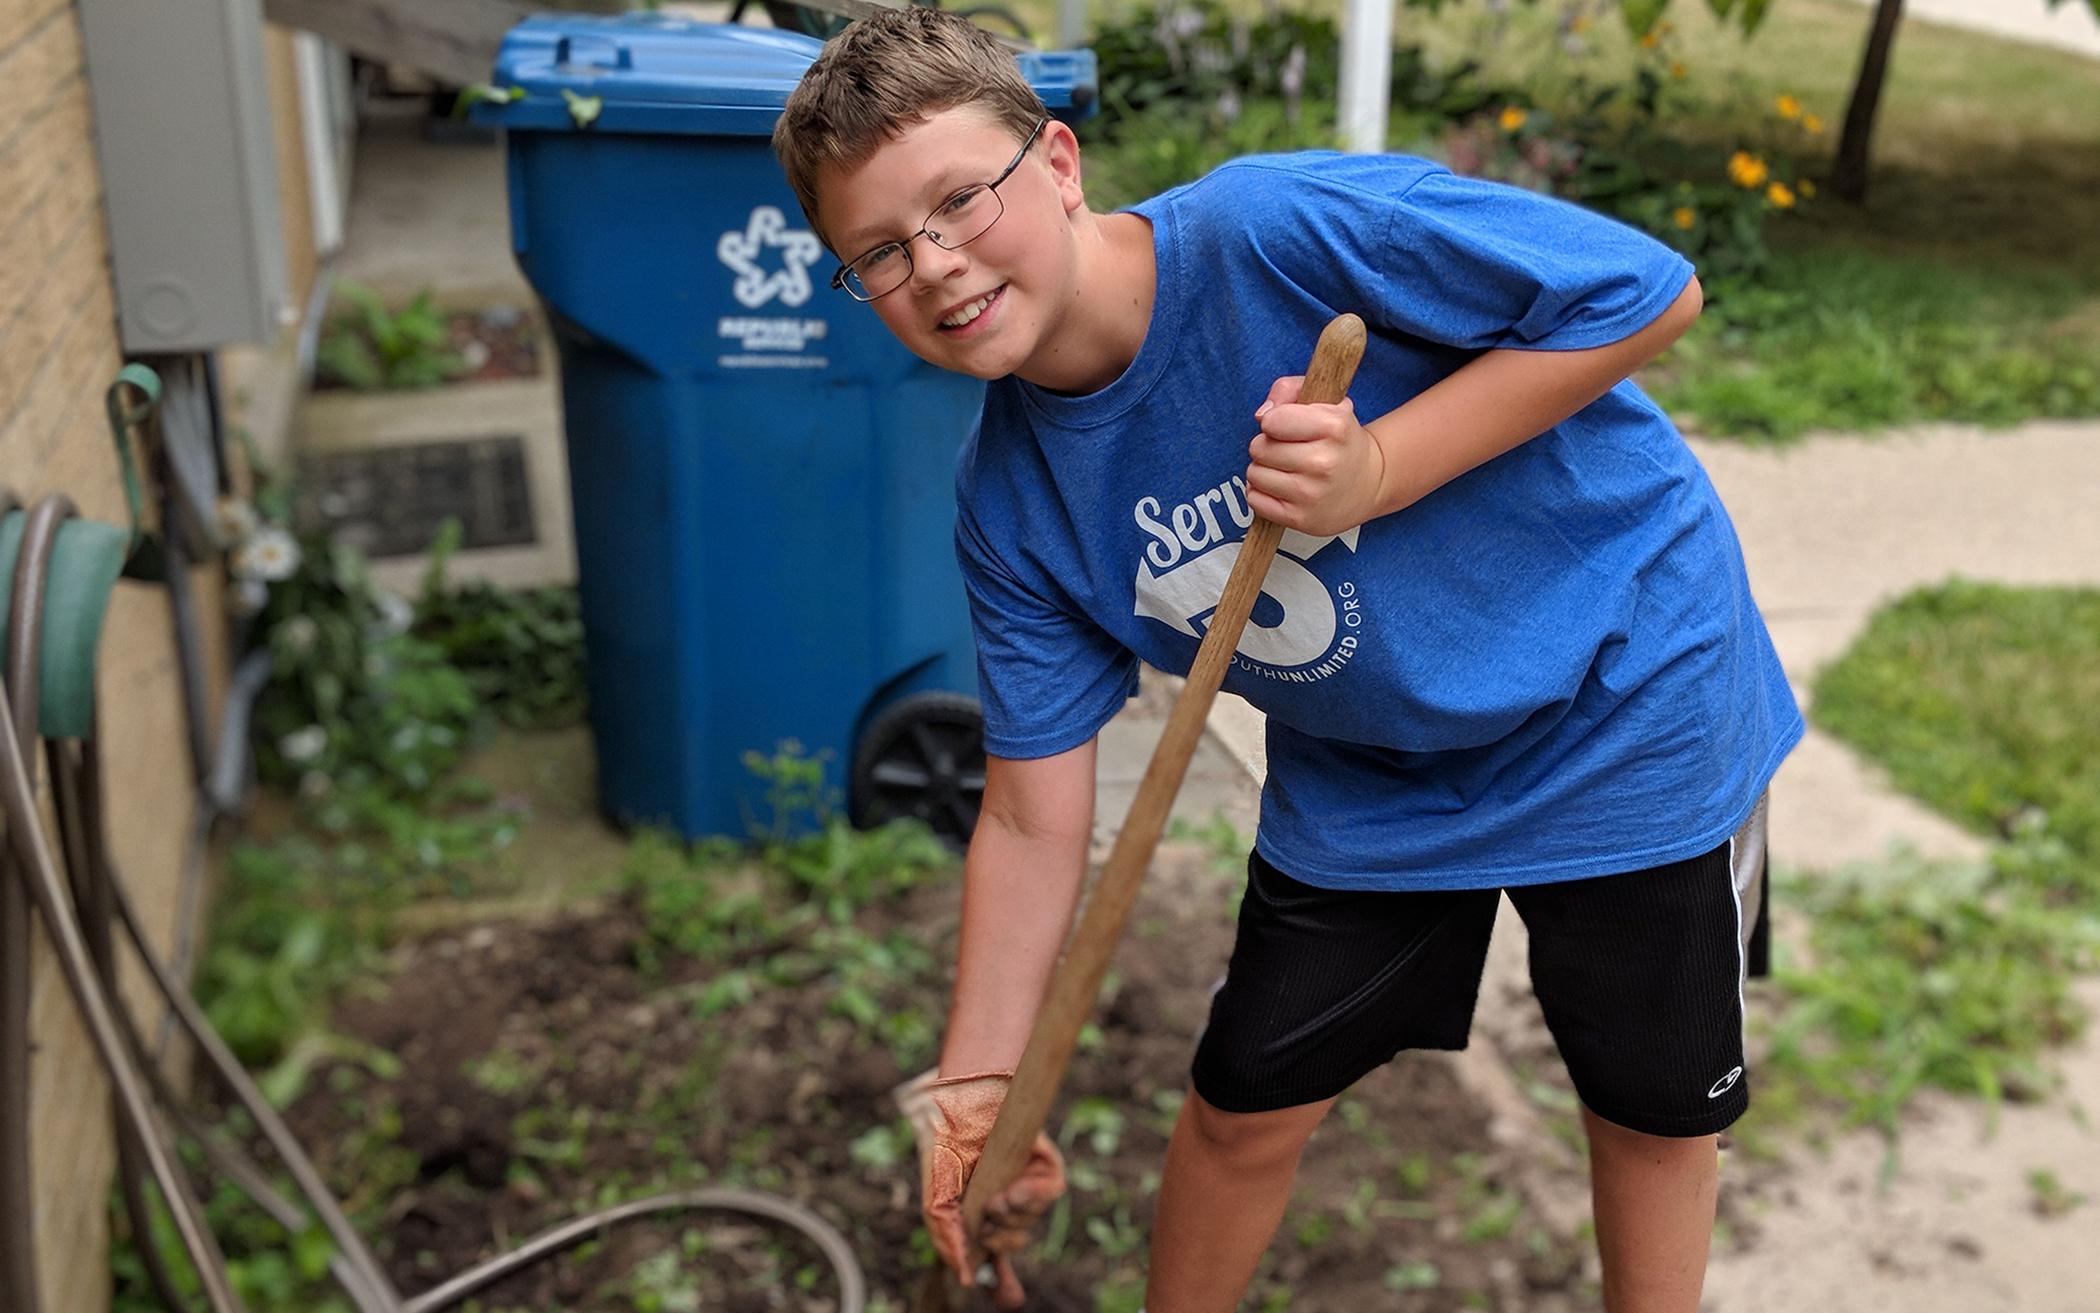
pixel 884 73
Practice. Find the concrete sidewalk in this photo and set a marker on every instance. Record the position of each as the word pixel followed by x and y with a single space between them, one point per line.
pixel 2070 25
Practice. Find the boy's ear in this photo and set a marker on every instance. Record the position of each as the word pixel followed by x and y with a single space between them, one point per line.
pixel 1061 149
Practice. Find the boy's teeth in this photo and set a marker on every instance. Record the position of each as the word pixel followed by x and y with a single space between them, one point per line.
pixel 970 311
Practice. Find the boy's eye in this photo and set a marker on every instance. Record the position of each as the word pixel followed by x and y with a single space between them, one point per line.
pixel 878 257
pixel 961 201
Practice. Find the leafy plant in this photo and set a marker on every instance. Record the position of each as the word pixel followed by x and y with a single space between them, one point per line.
pixel 354 700
pixel 521 650
pixel 2050 1197
pixel 1930 974
pixel 1599 130
pixel 375 348
pixel 1189 84
pixel 1165 146
pixel 782 917
pixel 1198 52
pixel 1418 1275
pixel 283 940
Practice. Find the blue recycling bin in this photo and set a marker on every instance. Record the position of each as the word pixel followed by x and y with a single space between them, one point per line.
pixel 763 479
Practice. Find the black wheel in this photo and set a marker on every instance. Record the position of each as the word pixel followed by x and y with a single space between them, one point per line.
pixel 922 756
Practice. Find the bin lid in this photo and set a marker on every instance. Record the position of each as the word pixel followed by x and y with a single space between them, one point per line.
pixel 656 72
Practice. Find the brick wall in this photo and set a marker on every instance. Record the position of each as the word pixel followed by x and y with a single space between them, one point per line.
pixel 58 350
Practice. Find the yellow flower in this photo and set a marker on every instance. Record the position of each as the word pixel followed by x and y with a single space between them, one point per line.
pixel 1512 118
pixel 1788 107
pixel 1808 189
pixel 1677 71
pixel 1652 40
pixel 1780 195
pixel 1684 216
pixel 1579 24
pixel 1746 170
pixel 1812 125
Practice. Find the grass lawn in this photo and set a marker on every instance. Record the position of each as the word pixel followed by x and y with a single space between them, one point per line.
pixel 1967 287
pixel 1982 701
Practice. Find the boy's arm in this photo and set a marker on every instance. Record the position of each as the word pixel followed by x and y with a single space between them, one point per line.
pixel 1021 882
pixel 1316 469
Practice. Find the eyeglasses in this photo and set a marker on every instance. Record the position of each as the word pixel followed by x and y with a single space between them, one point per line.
pixel 962 219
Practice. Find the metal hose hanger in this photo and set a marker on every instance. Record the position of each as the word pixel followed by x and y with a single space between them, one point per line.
pixel 80 913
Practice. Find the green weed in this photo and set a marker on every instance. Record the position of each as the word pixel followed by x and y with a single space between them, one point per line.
pixel 2049 1198
pixel 375 347
pixel 521 650
pixel 1418 1275
pixel 1947 974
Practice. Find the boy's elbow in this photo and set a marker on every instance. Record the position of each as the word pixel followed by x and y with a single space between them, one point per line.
pixel 1687 306
pixel 1670 325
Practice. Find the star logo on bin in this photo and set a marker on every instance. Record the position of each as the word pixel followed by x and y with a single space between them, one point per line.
pixel 742 252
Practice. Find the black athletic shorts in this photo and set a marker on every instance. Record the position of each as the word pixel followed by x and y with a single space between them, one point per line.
pixel 1640 977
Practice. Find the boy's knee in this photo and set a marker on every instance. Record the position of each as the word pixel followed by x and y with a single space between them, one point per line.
pixel 1610 1137
pixel 1252 1140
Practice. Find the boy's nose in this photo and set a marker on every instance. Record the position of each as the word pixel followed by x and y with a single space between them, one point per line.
pixel 932 265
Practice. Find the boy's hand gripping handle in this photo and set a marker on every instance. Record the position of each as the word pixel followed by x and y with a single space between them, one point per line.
pixel 1078 979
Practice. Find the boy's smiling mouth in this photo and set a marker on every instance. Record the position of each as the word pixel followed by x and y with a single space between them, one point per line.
pixel 960 318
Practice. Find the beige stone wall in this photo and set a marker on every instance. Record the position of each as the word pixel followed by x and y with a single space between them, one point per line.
pixel 294 199
pixel 58 350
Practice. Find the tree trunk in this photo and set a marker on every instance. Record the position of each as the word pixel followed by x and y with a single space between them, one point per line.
pixel 1850 179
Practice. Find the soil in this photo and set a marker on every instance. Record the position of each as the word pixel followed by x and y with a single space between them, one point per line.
pixel 544 1072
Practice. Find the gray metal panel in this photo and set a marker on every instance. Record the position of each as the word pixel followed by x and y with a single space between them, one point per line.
pixel 189 172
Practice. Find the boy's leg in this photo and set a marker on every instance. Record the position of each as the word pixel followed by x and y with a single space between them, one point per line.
pixel 1324 985
pixel 1641 978
pixel 1228 1178
pixel 1653 1197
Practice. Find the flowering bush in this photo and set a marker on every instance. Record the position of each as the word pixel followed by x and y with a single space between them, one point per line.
pixel 1188 84
pixel 1514 145
pixel 1717 208
pixel 1610 151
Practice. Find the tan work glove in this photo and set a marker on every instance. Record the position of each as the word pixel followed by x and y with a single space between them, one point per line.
pixel 952 1118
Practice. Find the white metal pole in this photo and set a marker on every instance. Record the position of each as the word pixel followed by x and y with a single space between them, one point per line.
pixel 1367 72
pixel 1071 23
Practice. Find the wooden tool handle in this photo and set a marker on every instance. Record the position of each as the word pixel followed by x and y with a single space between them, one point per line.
pixel 1078 979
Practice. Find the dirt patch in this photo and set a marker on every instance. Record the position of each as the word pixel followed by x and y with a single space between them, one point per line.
pixel 546 1069
pixel 493 344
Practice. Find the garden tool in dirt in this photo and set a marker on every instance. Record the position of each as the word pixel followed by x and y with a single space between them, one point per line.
pixel 1077 982
pixel 57 572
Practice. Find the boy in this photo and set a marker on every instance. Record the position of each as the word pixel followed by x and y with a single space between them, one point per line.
pixel 1509 646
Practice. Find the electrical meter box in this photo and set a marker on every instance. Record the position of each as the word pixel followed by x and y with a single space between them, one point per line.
pixel 189 173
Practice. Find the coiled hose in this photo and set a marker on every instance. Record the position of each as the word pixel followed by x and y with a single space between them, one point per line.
pixel 80 915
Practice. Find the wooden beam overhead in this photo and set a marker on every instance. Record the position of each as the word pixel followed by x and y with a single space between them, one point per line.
pixel 453 40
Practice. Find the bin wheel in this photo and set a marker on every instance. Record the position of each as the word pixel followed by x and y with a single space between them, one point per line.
pixel 922 756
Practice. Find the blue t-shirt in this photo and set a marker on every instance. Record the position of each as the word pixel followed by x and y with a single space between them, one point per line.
pixel 1548 669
